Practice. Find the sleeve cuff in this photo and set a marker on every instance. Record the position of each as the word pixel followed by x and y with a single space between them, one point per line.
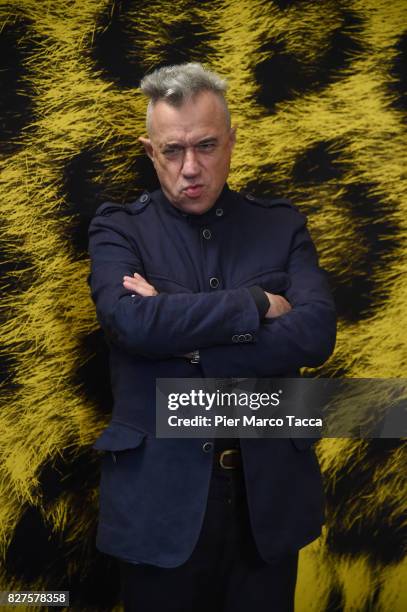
pixel 260 299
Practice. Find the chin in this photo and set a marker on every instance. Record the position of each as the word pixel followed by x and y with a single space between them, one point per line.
pixel 199 207
pixel 194 206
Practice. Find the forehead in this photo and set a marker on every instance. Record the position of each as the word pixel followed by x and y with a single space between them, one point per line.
pixel 199 116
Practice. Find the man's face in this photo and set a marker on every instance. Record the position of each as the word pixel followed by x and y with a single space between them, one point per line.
pixel 191 148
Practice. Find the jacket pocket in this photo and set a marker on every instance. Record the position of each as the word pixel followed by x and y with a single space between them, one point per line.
pixel 120 493
pixel 118 437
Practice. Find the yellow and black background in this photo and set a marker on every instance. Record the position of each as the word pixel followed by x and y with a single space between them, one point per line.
pixel 317 90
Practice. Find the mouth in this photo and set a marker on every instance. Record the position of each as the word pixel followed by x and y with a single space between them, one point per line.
pixel 193 191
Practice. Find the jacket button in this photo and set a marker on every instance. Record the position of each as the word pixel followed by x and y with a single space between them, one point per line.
pixel 214 282
pixel 219 212
pixel 207 447
pixel 143 198
pixel 248 337
pixel 242 338
pixel 235 338
pixel 250 197
pixel 207 234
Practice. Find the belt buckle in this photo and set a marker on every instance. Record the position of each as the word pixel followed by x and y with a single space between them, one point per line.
pixel 224 453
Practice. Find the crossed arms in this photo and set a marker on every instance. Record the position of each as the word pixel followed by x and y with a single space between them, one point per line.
pixel 278 305
pixel 297 331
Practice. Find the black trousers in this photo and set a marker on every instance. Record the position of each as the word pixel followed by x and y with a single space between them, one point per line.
pixel 224 573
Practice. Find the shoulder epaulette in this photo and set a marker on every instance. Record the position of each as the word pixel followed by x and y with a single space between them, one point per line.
pixel 132 208
pixel 107 208
pixel 270 203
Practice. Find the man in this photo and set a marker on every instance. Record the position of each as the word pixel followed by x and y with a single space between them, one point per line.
pixel 196 280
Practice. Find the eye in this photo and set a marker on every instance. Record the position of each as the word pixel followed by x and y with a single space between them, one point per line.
pixel 172 151
pixel 206 146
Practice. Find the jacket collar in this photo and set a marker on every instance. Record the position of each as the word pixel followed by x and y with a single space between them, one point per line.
pixel 221 208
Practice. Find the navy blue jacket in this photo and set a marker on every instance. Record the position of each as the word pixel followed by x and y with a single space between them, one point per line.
pixel 153 491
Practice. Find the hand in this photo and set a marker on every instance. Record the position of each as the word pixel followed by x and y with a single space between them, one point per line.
pixel 139 285
pixel 278 306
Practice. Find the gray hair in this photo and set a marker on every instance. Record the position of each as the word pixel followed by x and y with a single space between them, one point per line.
pixel 176 84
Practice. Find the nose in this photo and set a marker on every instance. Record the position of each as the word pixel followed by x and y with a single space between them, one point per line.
pixel 190 166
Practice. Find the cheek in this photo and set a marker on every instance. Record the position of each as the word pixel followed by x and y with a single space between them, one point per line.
pixel 165 169
pixel 221 165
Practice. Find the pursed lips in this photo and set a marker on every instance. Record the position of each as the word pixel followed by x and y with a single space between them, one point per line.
pixel 193 190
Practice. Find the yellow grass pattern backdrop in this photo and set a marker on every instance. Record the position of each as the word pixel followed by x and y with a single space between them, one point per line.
pixel 317 90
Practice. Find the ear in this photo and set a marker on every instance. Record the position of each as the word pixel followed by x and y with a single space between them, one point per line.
pixel 148 147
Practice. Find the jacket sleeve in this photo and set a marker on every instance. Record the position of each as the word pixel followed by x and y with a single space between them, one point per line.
pixel 305 336
pixel 163 325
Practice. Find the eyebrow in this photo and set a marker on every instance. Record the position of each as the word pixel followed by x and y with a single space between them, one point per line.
pixel 207 140
pixel 176 144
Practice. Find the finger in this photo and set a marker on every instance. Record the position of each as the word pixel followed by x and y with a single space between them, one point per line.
pixel 128 281
pixel 144 291
pixel 139 277
pixel 137 280
pixel 144 285
pixel 141 290
pixel 141 287
pixel 134 280
pixel 278 305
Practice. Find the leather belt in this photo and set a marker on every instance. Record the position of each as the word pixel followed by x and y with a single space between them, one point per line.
pixel 229 459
